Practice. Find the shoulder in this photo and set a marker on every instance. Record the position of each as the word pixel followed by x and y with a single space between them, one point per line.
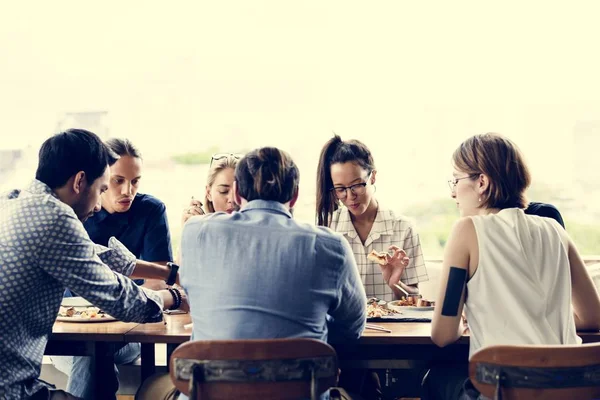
pixel 147 203
pixel 544 210
pixel 400 224
pixel 336 216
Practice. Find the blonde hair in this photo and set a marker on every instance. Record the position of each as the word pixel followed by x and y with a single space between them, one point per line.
pixel 216 167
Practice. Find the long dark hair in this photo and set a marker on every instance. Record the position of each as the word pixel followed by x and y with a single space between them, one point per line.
pixel 267 174
pixel 337 151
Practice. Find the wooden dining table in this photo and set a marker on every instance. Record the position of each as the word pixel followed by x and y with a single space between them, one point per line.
pixel 406 344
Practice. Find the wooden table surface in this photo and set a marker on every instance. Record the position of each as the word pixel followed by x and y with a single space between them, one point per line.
pixel 92 331
pixel 170 331
pixel 173 331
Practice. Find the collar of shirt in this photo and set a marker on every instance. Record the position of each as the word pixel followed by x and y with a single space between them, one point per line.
pixel 39 187
pixel 267 205
pixel 383 224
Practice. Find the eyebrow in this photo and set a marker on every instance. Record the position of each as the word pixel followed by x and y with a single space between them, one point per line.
pixel 351 182
pixel 223 185
pixel 120 176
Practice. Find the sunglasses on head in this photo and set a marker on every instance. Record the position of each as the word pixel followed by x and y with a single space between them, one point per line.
pixel 220 156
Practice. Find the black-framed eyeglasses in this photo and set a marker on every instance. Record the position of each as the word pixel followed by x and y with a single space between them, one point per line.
pixel 454 181
pixel 220 156
pixel 341 192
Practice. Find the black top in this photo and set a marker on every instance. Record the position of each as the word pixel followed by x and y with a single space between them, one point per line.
pixel 545 210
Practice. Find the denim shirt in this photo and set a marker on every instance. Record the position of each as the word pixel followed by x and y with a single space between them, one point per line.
pixel 258 273
pixel 43 249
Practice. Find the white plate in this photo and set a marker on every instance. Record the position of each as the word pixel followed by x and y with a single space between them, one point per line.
pixel 106 318
pixel 393 305
pixel 75 302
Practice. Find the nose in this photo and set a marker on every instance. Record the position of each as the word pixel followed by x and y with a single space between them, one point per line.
pixel 230 197
pixel 126 190
pixel 98 205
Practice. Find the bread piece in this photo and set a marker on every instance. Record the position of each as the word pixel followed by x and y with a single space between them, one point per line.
pixel 379 258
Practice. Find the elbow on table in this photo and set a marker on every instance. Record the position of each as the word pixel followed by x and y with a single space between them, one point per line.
pixel 441 339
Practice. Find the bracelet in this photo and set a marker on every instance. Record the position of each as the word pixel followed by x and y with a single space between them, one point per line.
pixel 177 299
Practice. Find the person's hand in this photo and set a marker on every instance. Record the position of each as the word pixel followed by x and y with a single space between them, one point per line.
pixel 185 305
pixel 394 267
pixel 195 208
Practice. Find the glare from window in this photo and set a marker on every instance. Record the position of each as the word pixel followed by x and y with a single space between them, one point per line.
pixel 411 80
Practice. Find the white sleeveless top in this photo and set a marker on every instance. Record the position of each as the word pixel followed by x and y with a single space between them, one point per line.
pixel 521 290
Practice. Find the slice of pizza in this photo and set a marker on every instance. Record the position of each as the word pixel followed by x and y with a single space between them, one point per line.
pixel 377 257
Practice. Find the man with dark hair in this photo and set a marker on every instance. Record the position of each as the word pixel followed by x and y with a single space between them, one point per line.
pixel 45 248
pixel 139 222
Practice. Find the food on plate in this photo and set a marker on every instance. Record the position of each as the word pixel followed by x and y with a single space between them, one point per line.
pixel 414 301
pixel 378 309
pixel 377 257
pixel 425 303
pixel 81 312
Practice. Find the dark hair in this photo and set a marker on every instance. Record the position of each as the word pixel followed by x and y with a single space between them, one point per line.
pixel 123 147
pixel 65 154
pixel 502 161
pixel 337 151
pixel 267 174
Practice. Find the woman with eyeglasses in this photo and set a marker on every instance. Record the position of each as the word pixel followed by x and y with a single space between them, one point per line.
pixel 519 277
pixel 347 204
pixel 219 183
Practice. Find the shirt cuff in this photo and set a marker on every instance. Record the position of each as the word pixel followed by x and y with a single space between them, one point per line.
pixel 155 315
pixel 117 257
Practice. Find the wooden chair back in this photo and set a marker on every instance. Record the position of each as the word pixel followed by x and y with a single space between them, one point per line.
pixel 254 369
pixel 537 372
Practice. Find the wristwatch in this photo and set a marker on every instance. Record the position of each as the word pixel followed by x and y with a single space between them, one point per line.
pixel 173 274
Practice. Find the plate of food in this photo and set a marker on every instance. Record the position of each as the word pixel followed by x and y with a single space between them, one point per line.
pixel 83 314
pixel 378 309
pixel 412 303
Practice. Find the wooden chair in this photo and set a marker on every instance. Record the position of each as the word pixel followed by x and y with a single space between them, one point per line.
pixel 254 369
pixel 537 372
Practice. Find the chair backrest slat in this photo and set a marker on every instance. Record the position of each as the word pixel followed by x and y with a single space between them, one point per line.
pixel 529 372
pixel 260 369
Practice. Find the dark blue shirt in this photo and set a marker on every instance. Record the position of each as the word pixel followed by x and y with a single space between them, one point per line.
pixel 545 210
pixel 143 229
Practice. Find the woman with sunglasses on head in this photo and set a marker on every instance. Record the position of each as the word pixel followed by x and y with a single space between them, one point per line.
pixel 346 203
pixel 219 183
pixel 519 277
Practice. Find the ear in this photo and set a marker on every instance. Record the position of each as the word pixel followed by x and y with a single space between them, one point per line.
pixel 208 195
pixel 236 195
pixel 79 182
pixel 483 183
pixel 373 175
pixel 294 198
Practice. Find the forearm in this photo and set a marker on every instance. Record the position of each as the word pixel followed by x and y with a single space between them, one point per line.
pixel 167 298
pixel 148 270
pixel 411 289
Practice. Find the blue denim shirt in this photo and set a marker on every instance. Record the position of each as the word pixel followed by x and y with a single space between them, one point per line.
pixel 258 273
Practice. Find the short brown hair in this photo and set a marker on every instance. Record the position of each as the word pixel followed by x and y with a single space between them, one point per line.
pixel 501 160
pixel 267 174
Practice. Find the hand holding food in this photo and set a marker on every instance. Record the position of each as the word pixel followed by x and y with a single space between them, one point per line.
pixel 195 208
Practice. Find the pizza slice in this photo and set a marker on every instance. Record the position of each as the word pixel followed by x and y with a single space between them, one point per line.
pixel 377 257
